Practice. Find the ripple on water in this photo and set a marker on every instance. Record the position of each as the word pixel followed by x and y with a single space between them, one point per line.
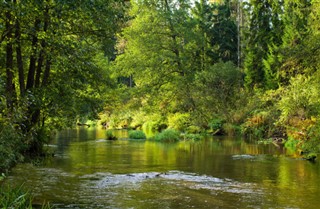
pixel 243 157
pixel 101 190
pixel 182 179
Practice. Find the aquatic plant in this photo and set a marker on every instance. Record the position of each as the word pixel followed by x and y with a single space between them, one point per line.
pixel 136 134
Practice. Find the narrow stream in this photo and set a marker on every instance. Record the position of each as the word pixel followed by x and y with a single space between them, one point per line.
pixel 91 172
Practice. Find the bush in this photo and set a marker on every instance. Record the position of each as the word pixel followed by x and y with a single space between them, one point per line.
pixel 11 146
pixel 193 129
pixel 292 144
pixel 312 144
pixel 110 135
pixel 215 126
pixel 231 129
pixel 168 135
pixel 137 134
pixel 218 89
pixel 179 121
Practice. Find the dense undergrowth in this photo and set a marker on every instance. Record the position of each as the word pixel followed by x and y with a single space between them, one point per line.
pixel 287 115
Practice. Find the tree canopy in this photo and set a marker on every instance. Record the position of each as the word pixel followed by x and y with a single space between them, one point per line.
pixel 189 65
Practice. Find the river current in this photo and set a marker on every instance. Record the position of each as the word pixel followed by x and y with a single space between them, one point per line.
pixel 88 171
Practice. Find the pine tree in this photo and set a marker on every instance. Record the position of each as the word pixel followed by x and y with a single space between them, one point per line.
pixel 258 33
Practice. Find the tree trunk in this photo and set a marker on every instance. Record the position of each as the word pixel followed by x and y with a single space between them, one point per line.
pixel 32 65
pixel 19 59
pixel 46 73
pixel 43 48
pixel 10 89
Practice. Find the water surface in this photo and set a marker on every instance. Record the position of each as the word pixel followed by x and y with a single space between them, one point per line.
pixel 91 172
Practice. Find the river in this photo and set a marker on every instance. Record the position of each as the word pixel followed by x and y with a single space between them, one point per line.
pixel 91 172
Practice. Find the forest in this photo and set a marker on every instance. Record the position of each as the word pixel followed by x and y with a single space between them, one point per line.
pixel 227 67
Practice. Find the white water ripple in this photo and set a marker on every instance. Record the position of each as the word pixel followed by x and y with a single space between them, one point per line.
pixel 134 181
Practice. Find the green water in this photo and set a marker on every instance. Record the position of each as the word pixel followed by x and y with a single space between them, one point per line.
pixel 90 172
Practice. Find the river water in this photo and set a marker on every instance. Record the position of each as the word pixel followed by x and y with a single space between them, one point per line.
pixel 91 172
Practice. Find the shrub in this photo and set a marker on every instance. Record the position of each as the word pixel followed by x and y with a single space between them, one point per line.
pixel 136 134
pixel 11 146
pixel 231 129
pixel 168 135
pixel 215 125
pixel 193 129
pixel 110 135
pixel 292 144
pixel 312 144
pixel 179 121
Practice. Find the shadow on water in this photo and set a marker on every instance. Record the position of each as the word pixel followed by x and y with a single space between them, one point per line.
pixel 90 172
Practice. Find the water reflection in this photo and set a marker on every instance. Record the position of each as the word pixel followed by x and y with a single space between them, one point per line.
pixel 90 172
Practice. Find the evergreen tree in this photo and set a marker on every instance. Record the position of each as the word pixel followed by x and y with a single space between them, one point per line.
pixel 257 41
pixel 262 31
pixel 224 33
pixel 295 18
pixel 218 30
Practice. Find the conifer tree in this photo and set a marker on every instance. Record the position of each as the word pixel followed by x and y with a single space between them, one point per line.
pixel 258 33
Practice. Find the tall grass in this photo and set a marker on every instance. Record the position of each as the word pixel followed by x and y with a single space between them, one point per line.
pixel 17 198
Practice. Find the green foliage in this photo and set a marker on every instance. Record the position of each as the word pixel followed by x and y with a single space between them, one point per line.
pixel 137 134
pixel 292 144
pixel 193 129
pixel 54 67
pixel 231 129
pixel 224 34
pixel 179 121
pixel 296 98
pixel 262 115
pixel 11 146
pixel 194 137
pixel 168 135
pixel 216 124
pixel 110 135
pixel 217 90
pixel 17 198
pixel 312 144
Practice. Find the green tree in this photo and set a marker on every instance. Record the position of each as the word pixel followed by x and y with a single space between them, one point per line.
pixel 224 35
pixel 262 31
pixel 217 31
pixel 159 51
pixel 50 50
pixel 296 32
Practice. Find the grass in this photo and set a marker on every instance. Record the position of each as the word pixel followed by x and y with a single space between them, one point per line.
pixel 17 198
pixel 137 134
